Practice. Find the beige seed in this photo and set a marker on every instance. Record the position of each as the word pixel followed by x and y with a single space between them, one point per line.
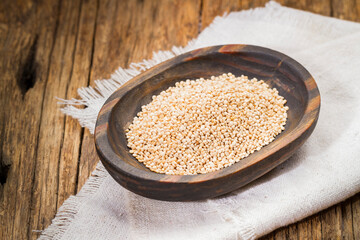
pixel 203 125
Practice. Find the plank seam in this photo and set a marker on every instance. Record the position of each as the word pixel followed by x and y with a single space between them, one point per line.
pixel 66 94
pixel 201 8
pixel 41 114
pixel 77 189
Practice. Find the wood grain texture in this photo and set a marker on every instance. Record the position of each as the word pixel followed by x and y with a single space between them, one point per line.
pixel 25 59
pixel 52 125
pixel 355 210
pixel 107 34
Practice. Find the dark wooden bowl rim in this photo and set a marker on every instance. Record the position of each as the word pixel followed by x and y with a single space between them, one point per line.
pixel 109 157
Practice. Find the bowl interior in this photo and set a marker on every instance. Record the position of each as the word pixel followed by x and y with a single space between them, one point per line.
pixel 276 69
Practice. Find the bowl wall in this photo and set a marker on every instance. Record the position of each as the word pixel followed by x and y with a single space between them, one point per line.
pixel 278 70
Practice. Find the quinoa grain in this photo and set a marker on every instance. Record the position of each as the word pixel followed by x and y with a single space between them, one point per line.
pixel 200 126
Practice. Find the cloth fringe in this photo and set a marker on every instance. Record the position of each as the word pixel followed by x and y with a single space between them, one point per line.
pixel 68 210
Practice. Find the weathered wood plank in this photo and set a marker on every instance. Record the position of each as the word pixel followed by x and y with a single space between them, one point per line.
pixel 110 21
pixel 88 159
pixel 347 220
pixel 52 124
pixel 355 208
pixel 269 236
pixel 212 8
pixel 348 10
pixel 315 223
pixel 247 4
pixel 292 232
pixel 331 223
pixel 280 234
pixel 70 152
pixel 25 52
pixel 13 141
pixel 304 229
pixel 322 7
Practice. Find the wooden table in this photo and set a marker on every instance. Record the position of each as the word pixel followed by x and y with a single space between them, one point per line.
pixel 49 49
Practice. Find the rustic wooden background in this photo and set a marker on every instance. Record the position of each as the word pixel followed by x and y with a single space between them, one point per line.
pixel 50 48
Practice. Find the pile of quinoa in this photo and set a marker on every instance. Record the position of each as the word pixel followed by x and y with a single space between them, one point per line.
pixel 203 125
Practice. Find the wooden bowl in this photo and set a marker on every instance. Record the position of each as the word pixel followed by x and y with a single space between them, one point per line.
pixel 291 79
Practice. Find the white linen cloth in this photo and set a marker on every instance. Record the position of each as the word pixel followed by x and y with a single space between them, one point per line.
pixel 325 171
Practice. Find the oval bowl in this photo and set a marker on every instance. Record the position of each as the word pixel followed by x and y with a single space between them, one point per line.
pixel 290 78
